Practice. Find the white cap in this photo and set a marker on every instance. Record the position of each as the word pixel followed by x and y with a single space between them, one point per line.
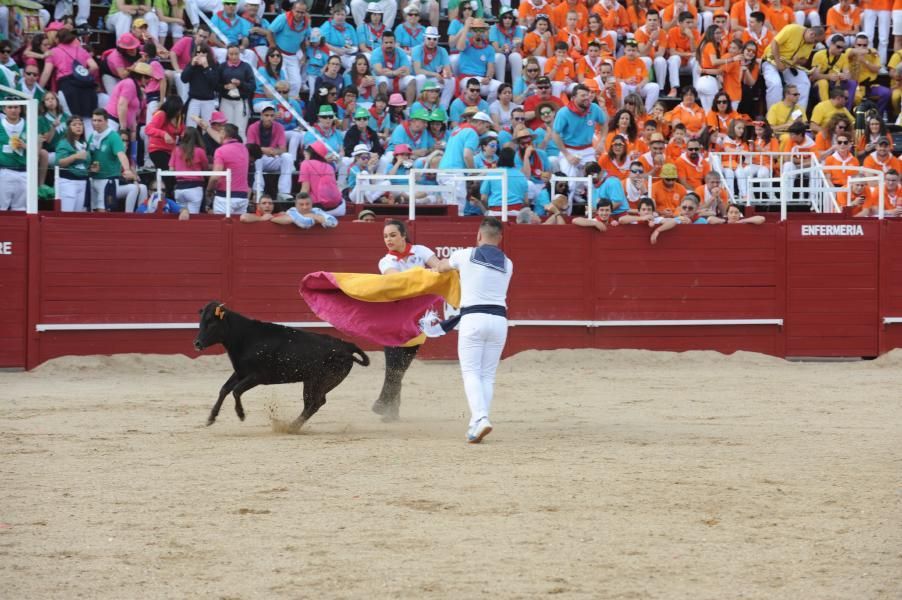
pixel 265 106
pixel 374 7
pixel 481 116
pixel 432 32
pixel 252 2
pixel 360 149
pixel 412 7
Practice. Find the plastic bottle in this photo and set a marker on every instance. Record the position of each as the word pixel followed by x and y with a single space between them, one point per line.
pixel 100 23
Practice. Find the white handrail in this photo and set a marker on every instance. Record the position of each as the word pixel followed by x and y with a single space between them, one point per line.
pixel 590 199
pixel 821 170
pixel 488 174
pixel 228 178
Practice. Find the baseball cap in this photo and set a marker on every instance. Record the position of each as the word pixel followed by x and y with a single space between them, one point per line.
pixel 139 22
pixel 218 117
pixel 669 171
pixel 230 1
pixel 265 106
pixel 883 142
pixel 360 149
pixel 403 149
pixel 481 116
pixel 632 43
pixel 592 84
pixel 432 32
pixel 315 35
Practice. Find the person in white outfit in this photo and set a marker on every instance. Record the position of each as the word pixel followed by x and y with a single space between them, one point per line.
pixel 485 274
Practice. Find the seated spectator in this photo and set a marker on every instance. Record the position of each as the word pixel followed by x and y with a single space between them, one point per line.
pixel 364 162
pixel 232 156
pixel 517 186
pixel 666 192
pixel 842 157
pixel 469 97
pixel 477 58
pixel 270 137
pixel 827 108
pixel 881 156
pixel 318 179
pixel 645 213
pixel 712 195
pixel 164 128
pixel 365 216
pixel 432 65
pixel 602 219
pixel 392 68
pixel 736 216
pixel 263 211
pixel 688 216
pixel 129 192
pixel 305 215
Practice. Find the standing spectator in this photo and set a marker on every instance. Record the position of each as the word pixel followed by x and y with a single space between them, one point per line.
pixel 182 53
pixel 235 28
pixel 73 71
pixel 507 39
pixel 116 61
pixel 477 57
pixel 431 63
pixel 340 37
pixel 190 155
pixel 256 36
pixel 288 32
pixel 73 159
pixel 202 78
pixel 163 130
pixel 127 101
pixel 12 159
pixel 108 162
pixel 236 85
pixel 460 152
pixel 574 127
pixel 517 186
pixel 318 179
pixel 270 137
pixel 232 156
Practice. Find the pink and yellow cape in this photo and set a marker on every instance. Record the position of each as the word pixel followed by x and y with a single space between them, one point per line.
pixel 384 309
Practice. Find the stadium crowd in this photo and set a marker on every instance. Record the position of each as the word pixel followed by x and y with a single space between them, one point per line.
pixel 669 106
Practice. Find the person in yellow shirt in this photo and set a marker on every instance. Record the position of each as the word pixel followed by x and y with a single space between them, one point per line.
pixel 896 75
pixel 787 111
pixel 827 108
pixel 830 68
pixel 784 60
pixel 864 65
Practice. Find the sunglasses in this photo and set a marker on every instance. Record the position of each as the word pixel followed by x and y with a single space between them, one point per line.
pixel 544 87
pixel 637 171
pixel 32 73
pixel 723 101
pixel 617 144
pixel 842 142
pixel 544 113
pixel 477 90
pixel 795 93
pixel 519 118
pixel 687 207
pixel 532 70
pixel 670 179
pixel 362 119
pixel 693 149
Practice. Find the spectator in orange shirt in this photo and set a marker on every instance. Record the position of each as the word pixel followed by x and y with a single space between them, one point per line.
pixel 623 124
pixel 653 46
pixel 671 15
pixel 539 41
pixel 610 98
pixel 596 32
pixel 667 193
pixel 689 113
pixel 636 13
pixel 633 75
pixel 692 165
pixel 731 164
pixel 561 70
pixel 713 196
pixel 861 196
pixel 882 158
pixel 617 160
pixel 780 14
pixel 677 143
pixel 709 12
pixel 559 13
pixel 740 10
pixel 589 67
pixel 654 159
pixel 571 35
pixel 892 198
pixel 825 140
pixel 845 19
pixel 613 15
pixel 807 12
pixel 758 33
pixel 710 66
pixel 682 42
pixel 844 158
pixel 877 12
pixel 530 9
pixel 867 143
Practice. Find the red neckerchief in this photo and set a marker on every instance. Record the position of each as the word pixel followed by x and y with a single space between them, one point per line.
pixel 508 34
pixel 479 45
pixel 377 33
pixel 322 131
pixel 338 28
pixel 428 55
pixel 577 110
pixel 464 126
pixel 535 163
pixel 490 164
pixel 379 118
pixel 464 100
pixel 223 17
pixel 289 18
pixel 389 64
pixel 408 251
pixel 413 138
pixel 413 33
pixel 341 103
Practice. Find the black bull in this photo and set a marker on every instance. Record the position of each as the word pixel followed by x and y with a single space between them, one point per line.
pixel 266 353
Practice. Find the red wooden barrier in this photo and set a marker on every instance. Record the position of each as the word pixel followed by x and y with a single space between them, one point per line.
pixel 13 289
pixel 890 284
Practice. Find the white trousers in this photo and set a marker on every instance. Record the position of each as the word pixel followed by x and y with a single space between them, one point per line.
pixel 202 108
pixel 402 84
pixel 98 189
pixel 745 174
pixel 659 64
pixel 192 7
pixel 64 8
pixel 674 64
pixel 190 198
pixel 813 17
pixel 239 205
pixel 121 23
pixel 283 164
pixel 132 193
pixel 514 59
pixel 585 155
pixel 649 92
pixel 774 84
pixel 293 70
pixel 479 345
pixel 72 194
pixel 12 189
pixel 882 19
pixel 707 88
pixel 237 112
pixel 389 11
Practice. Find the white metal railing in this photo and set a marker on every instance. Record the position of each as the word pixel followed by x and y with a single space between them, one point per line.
pixel 458 174
pixel 371 182
pixel 590 198
pixel 227 174
pixel 823 196
pixel 32 147
pixel 270 89
pixel 758 189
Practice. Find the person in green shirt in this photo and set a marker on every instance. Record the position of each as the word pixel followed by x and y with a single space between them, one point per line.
pixel 12 159
pixel 73 158
pixel 108 162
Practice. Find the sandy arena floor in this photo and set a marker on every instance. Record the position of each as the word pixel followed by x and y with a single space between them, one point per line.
pixel 609 475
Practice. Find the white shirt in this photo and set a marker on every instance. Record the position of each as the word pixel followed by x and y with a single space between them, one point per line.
pixel 420 255
pixel 480 284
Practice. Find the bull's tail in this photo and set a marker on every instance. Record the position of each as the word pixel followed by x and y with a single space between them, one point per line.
pixel 364 360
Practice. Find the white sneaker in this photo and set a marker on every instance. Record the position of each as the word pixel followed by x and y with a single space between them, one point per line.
pixel 479 430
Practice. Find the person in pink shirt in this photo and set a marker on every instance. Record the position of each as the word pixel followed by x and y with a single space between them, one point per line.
pixel 318 178
pixel 270 137
pixel 164 128
pixel 181 54
pixel 127 100
pixel 232 156
pixel 190 155
pixel 119 60
pixel 78 96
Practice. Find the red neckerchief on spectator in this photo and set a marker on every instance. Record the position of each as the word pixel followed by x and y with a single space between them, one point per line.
pixel 247 18
pixel 322 131
pixel 465 126
pixel 507 33
pixel 428 55
pixel 463 98
pixel 535 163
pixel 413 33
pixel 479 45
pixel 408 251
pixel 490 164
pixel 337 27
pixel 379 118
pixel 377 33
pixel 341 104
pixel 222 16
pixel 414 138
pixel 389 64
pixel 577 110
pixel 289 18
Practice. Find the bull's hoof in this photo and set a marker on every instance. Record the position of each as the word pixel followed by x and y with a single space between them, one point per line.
pixel 210 421
pixel 240 414
pixel 296 425
pixel 390 411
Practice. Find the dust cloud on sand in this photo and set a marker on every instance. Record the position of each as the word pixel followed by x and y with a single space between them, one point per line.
pixel 622 474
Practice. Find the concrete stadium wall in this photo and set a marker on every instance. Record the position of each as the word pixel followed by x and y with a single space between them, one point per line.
pixel 831 280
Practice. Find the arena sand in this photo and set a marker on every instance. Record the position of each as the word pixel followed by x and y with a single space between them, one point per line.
pixel 610 475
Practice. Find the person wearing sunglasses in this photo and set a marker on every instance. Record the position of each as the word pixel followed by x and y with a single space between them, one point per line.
pixel 689 215
pixel 787 111
pixel 635 186
pixel 830 68
pixel 825 109
pixel 432 65
pixel 865 65
pixel 842 156
pixel 790 50
pixel 477 57
pixel 469 97
pixel 525 86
